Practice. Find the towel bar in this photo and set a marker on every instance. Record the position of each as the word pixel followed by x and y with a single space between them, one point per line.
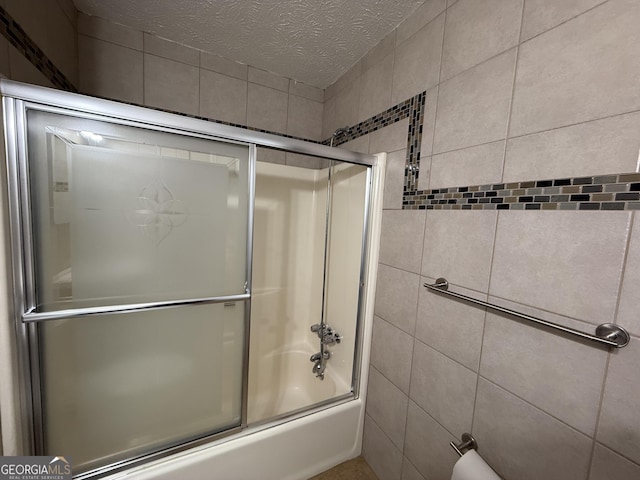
pixel 606 334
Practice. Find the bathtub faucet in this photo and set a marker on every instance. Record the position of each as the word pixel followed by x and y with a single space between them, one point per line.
pixel 320 363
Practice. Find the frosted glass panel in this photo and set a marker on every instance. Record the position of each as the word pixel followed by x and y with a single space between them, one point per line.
pixel 120 385
pixel 127 215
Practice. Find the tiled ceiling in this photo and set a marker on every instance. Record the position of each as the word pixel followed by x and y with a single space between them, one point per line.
pixel 312 41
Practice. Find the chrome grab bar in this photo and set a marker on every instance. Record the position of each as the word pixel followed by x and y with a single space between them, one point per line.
pixel 607 334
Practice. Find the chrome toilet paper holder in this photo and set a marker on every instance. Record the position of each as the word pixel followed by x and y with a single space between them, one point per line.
pixel 468 443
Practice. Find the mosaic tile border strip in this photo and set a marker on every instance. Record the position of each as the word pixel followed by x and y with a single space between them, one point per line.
pixel 388 117
pixel 602 192
pixel 14 33
pixel 414 142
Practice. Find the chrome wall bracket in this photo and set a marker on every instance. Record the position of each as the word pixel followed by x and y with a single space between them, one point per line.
pixel 468 443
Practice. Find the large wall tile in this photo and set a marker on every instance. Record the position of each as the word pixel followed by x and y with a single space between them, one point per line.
pixel 521 442
pixel 608 465
pixel 452 327
pixel 394 180
pixel 429 125
pixel 397 297
pixel 558 375
pixel 387 406
pixel 409 472
pixel 424 173
pixel 427 445
pixel 5 68
pixel 473 107
pixel 171 50
pixel 417 62
pixel 599 147
pixel 222 97
pixel 390 138
pixel 62 41
pixel 329 118
pixel 619 427
pixel 443 388
pixel 360 144
pixel 109 70
pixel 375 88
pixel 22 70
pixel 458 246
pixel 101 29
pixel 477 30
pixel 391 352
pixel 380 453
pixel 418 19
pixel 549 260
pixel 585 69
pixel 541 15
pixel 379 53
pixel 402 239
pixel 267 108
pixel 31 15
pixel 70 10
pixel 268 79
pixel 223 65
pixel 304 118
pixel 304 161
pixel 629 306
pixel 270 155
pixel 307 91
pixel 347 103
pixel 469 166
pixel 171 85
pixel 352 74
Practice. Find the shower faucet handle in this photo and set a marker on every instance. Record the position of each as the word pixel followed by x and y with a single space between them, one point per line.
pixel 316 327
pixel 330 337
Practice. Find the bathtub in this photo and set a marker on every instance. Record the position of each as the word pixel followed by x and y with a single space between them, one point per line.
pixel 294 450
pixel 294 446
pixel 290 385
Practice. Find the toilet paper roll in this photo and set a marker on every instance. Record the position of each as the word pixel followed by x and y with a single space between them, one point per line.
pixel 471 466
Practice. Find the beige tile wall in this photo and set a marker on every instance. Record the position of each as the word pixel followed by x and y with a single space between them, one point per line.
pixel 516 90
pixel 52 25
pixel 124 64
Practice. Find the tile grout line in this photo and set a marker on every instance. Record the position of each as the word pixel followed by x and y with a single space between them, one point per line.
pixel 513 92
pixel 535 407
pixel 437 87
pixel 564 22
pixel 605 374
pixel 384 433
pixel 485 318
pixel 371 364
pixel 403 393
pixel 596 427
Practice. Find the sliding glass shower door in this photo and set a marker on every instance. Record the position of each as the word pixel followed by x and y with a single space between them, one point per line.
pixel 134 271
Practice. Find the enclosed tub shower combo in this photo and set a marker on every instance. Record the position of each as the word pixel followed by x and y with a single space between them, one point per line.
pixel 182 306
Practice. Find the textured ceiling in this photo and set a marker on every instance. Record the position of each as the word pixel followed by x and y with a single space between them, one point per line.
pixel 312 41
